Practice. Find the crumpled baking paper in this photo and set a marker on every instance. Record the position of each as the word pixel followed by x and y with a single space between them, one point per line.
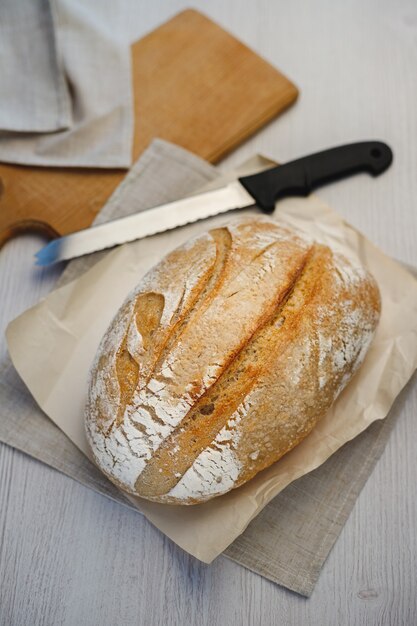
pixel 53 344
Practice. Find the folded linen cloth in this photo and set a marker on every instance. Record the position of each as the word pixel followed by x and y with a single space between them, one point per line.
pixel 65 84
pixel 290 539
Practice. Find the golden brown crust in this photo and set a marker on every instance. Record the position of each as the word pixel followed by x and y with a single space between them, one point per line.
pixel 192 395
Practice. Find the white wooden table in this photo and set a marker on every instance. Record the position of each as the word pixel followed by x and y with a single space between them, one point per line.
pixel 69 556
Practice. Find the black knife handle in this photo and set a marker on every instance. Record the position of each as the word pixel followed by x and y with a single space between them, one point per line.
pixel 300 177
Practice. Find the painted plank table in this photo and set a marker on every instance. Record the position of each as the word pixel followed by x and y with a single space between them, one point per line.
pixel 69 556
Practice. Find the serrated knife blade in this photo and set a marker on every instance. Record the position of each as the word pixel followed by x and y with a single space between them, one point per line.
pixel 146 223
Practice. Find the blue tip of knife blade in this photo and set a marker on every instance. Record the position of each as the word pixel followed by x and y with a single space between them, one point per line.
pixel 49 254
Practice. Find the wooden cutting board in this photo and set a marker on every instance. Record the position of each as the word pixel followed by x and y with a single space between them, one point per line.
pixel 194 85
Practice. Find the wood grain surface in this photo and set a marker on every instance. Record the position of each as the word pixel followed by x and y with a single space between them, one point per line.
pixel 190 87
pixel 71 557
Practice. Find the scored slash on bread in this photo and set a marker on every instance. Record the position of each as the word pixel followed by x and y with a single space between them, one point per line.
pixel 224 358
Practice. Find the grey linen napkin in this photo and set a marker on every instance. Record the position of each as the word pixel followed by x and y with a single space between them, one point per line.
pixel 289 541
pixel 65 84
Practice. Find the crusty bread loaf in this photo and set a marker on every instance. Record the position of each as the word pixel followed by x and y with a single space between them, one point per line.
pixel 224 358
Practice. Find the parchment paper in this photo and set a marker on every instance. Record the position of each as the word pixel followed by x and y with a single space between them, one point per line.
pixel 52 346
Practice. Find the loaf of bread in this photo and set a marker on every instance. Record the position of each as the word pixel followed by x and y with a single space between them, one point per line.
pixel 224 358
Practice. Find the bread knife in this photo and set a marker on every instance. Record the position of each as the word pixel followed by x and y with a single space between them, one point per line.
pixel 296 178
